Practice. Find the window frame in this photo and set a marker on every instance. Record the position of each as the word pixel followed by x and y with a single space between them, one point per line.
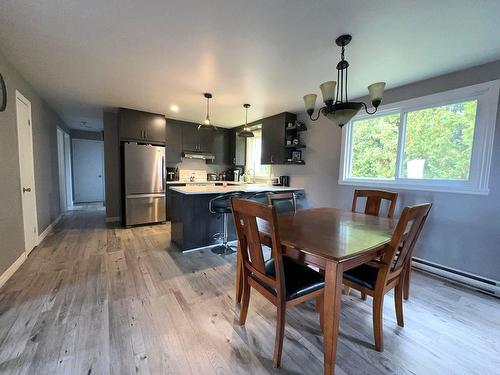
pixel 486 94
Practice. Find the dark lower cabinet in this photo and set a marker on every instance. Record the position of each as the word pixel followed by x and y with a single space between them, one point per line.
pixel 141 126
pixel 273 138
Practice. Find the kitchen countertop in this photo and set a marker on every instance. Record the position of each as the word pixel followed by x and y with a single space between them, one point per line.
pixel 246 188
pixel 205 182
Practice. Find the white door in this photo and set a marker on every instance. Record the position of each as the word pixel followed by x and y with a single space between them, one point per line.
pixel 88 167
pixel 27 172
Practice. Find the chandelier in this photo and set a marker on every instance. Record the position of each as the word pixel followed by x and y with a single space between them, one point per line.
pixel 207 125
pixel 338 108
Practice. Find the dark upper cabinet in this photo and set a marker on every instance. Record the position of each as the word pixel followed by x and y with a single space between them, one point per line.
pixel 141 126
pixel 173 152
pixel 191 138
pixel 197 140
pixel 220 146
pixel 237 148
pixel 273 138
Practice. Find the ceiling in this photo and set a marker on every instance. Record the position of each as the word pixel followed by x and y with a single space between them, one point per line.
pixel 86 56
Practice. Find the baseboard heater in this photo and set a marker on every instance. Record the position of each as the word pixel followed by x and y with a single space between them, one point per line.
pixel 483 284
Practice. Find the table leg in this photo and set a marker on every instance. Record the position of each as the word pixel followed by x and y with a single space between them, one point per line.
pixel 239 275
pixel 331 305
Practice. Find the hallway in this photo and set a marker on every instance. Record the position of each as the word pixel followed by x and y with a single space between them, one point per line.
pixel 93 299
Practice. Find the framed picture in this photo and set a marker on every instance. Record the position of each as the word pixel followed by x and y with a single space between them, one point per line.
pixel 296 155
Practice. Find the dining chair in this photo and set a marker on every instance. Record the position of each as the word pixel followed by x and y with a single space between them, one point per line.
pixel 280 280
pixel 378 277
pixel 283 202
pixel 407 272
pixel 374 199
pixel 372 207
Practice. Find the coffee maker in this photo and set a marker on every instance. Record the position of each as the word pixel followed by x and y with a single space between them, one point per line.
pixel 281 181
pixel 234 174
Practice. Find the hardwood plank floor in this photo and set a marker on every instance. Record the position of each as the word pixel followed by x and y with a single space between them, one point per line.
pixel 93 299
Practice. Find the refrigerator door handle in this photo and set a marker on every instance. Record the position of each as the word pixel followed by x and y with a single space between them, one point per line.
pixel 163 173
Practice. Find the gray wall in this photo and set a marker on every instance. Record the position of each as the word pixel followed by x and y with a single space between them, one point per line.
pixel 45 122
pixel 463 231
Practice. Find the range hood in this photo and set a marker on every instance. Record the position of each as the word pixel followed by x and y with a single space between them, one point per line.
pixel 198 155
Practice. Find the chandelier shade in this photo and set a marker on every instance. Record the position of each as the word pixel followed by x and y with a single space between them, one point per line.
pixel 338 108
pixel 246 132
pixel 207 124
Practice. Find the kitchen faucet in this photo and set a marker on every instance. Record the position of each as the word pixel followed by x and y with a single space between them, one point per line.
pixel 248 175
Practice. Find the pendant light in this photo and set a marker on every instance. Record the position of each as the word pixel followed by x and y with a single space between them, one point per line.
pixel 207 125
pixel 338 108
pixel 246 133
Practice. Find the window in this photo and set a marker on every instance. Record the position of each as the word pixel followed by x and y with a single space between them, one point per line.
pixel 253 152
pixel 441 142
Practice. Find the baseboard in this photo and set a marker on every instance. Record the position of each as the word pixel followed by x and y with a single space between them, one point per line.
pixel 113 219
pixel 474 281
pixel 49 229
pixel 13 268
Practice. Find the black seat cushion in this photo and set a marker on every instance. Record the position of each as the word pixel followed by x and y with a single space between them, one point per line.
pixel 363 275
pixel 299 279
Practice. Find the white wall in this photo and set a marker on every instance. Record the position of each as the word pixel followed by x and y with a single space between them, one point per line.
pixel 462 232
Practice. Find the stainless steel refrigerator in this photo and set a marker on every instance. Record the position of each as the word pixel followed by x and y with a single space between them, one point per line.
pixel 144 172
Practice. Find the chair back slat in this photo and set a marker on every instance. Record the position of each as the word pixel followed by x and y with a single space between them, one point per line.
pixel 256 257
pixel 405 236
pixel 246 213
pixel 373 201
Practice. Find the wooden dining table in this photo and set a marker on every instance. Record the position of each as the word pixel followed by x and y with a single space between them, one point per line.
pixel 335 241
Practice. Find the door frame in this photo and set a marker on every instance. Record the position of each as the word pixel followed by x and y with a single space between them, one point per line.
pixel 61 166
pixel 73 169
pixel 23 99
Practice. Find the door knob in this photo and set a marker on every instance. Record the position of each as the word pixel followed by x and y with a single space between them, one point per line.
pixel 26 190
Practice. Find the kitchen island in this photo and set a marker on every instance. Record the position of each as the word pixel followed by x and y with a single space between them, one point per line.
pixel 192 224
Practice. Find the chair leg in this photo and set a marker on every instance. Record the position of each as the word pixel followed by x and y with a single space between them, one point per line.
pixel 319 309
pixel 280 332
pixel 363 296
pixel 378 328
pixel 398 301
pixel 239 276
pixel 245 301
pixel 346 290
pixel 406 285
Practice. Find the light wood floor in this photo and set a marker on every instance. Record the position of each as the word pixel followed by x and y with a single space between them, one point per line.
pixel 97 300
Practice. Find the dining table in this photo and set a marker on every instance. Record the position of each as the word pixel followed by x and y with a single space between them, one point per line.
pixel 333 240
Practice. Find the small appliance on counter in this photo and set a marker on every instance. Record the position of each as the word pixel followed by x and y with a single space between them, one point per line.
pixel 281 181
pixel 172 174
pixel 234 174
pixel 211 176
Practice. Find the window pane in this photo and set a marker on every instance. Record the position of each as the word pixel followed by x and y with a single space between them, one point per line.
pixel 438 142
pixel 254 147
pixel 374 146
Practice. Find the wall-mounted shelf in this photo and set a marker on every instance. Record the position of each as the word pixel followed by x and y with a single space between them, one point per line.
pixel 300 162
pixel 296 128
pixel 295 146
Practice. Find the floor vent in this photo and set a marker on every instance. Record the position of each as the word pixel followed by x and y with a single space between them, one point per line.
pixel 483 284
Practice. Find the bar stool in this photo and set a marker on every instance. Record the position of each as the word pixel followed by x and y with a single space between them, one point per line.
pixel 221 204
pixel 260 196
